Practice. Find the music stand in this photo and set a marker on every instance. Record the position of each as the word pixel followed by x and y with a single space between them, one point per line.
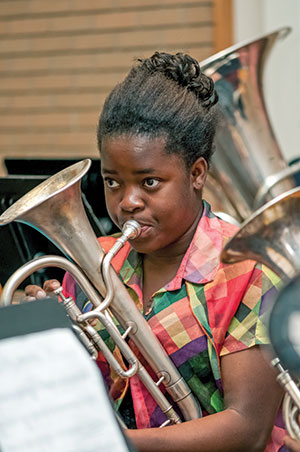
pixel 52 396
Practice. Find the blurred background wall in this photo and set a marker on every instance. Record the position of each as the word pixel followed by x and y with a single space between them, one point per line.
pixel 282 73
pixel 59 59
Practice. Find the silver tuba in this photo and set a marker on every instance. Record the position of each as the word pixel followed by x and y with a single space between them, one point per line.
pixel 247 168
pixel 272 236
pixel 55 208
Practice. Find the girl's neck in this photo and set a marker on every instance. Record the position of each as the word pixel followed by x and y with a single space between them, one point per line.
pixel 160 267
pixel 174 252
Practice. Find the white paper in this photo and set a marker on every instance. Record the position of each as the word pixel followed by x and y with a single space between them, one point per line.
pixel 52 397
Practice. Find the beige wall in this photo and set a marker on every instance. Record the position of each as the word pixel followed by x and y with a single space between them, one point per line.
pixel 59 59
pixel 282 69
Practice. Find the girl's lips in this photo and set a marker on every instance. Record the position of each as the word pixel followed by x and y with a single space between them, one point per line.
pixel 145 230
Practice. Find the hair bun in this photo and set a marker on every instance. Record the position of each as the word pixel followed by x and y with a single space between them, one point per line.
pixel 184 70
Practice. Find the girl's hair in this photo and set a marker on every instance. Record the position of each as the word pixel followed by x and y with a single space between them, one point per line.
pixel 164 95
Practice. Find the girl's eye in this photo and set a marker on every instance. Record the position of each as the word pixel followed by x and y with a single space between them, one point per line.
pixel 151 183
pixel 111 183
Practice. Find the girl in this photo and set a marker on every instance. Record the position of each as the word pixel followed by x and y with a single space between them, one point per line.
pixel 155 138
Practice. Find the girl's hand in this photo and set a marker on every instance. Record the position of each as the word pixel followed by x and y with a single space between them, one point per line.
pixel 33 292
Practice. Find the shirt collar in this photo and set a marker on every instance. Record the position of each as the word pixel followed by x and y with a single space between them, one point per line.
pixel 201 260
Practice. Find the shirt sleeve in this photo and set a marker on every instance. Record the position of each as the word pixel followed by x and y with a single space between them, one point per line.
pixel 248 326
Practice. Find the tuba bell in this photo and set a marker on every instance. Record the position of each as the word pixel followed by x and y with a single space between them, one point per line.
pixel 55 208
pixel 247 168
pixel 271 236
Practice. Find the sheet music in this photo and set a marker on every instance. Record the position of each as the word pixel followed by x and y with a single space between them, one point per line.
pixel 52 397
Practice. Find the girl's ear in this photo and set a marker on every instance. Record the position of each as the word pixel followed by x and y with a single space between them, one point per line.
pixel 199 173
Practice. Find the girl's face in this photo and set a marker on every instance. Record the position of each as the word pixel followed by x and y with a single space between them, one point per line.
pixel 144 183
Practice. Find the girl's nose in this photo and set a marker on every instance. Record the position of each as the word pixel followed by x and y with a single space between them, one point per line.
pixel 131 201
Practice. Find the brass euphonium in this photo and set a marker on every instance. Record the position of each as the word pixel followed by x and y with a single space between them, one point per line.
pixel 248 167
pixel 55 208
pixel 271 236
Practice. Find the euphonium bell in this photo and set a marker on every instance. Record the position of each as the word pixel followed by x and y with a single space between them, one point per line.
pixel 272 236
pixel 55 208
pixel 248 163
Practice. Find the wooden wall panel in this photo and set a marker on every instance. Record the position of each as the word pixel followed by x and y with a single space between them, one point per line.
pixel 59 59
pixel 223 35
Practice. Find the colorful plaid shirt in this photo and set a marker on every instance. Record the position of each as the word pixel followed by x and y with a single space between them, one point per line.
pixel 208 310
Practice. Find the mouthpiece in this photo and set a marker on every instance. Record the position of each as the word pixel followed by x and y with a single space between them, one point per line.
pixel 131 229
